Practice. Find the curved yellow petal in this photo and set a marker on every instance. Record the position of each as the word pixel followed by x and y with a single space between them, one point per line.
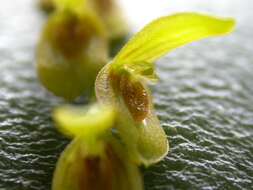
pixel 167 33
pixel 84 121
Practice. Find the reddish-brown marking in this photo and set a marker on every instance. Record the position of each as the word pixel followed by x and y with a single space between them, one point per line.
pixel 96 174
pixel 134 95
pixel 71 35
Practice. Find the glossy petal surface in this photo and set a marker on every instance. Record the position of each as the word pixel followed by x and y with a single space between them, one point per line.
pixel 167 33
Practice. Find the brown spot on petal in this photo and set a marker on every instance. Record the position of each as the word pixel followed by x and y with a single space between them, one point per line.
pixel 134 94
pixel 135 97
pixel 70 34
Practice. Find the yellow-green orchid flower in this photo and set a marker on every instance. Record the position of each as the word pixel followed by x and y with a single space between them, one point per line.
pixel 72 49
pixel 123 82
pixel 108 11
pixel 93 160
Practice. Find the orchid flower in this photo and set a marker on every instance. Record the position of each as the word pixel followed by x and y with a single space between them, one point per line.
pixel 93 160
pixel 72 49
pixel 108 11
pixel 113 137
pixel 123 82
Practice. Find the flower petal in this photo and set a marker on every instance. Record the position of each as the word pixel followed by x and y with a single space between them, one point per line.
pixel 147 142
pixel 153 144
pixel 167 33
pixel 84 121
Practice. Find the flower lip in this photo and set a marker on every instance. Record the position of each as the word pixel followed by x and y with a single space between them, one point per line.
pixel 89 122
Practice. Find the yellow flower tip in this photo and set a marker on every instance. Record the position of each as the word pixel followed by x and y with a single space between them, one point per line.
pixel 219 25
pixel 168 33
pixel 90 121
pixel 230 25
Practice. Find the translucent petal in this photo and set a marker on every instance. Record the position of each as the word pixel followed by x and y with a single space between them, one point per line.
pixel 146 142
pixel 142 70
pixel 167 33
pixel 152 142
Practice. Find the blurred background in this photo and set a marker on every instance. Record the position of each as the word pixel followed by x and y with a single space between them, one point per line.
pixel 141 12
pixel 204 100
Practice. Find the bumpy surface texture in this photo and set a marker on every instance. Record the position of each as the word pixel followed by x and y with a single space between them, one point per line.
pixel 204 100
